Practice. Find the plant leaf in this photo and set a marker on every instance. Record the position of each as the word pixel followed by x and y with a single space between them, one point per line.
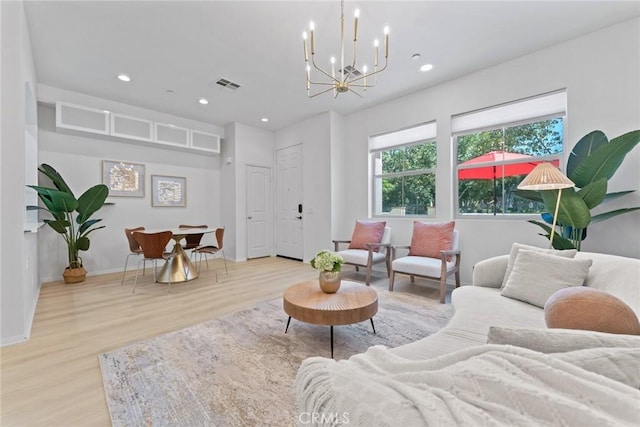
pixel 82 244
pixel 55 178
pixel 573 210
pixel 605 160
pixel 611 196
pixel 611 214
pixel 57 225
pixel 583 149
pixel 93 229
pixel 56 201
pixel 593 193
pixel 90 201
pixel 559 242
pixel 85 226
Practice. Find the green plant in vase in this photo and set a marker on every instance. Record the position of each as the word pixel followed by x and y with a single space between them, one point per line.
pixel 71 217
pixel 592 162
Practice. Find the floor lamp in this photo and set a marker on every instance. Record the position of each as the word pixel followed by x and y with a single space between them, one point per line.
pixel 545 176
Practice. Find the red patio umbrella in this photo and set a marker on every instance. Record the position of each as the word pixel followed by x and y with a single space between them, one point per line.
pixel 485 170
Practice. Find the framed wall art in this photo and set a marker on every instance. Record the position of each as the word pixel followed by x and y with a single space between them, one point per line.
pixel 123 179
pixel 168 191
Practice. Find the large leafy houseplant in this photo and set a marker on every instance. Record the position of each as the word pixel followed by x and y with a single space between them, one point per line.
pixel 71 216
pixel 592 162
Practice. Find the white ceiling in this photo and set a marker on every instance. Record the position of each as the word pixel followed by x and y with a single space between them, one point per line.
pixel 186 46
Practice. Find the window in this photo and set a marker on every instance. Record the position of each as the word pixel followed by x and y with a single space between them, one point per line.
pixel 497 147
pixel 404 165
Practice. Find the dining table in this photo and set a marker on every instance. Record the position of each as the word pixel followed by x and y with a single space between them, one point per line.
pixel 179 268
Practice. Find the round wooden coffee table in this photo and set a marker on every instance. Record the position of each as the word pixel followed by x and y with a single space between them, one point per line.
pixel 353 303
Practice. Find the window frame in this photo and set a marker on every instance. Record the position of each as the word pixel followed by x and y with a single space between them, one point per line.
pixel 455 166
pixel 373 176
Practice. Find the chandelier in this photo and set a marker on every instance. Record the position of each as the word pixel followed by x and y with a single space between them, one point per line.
pixel 347 78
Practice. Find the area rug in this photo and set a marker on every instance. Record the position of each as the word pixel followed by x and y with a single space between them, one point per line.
pixel 238 370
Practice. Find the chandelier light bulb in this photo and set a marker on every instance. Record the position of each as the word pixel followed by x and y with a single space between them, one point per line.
pixel 304 35
pixel 357 13
pixel 386 30
pixel 376 43
pixel 312 26
pixel 364 69
pixel 333 60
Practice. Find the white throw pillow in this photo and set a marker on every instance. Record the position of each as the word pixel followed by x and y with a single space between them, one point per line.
pixel 515 249
pixel 536 276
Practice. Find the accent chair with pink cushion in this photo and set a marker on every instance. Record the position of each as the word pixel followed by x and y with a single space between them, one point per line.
pixel 433 254
pixel 369 245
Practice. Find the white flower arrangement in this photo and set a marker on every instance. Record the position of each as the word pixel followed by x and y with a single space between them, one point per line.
pixel 327 261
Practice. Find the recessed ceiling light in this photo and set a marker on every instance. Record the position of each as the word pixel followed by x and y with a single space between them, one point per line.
pixel 265 119
pixel 426 67
pixel 203 101
pixel 124 77
pixel 415 56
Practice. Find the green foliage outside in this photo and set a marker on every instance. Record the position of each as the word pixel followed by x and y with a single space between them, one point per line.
pixel 408 189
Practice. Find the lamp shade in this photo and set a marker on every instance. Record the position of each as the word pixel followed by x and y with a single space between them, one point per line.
pixel 545 176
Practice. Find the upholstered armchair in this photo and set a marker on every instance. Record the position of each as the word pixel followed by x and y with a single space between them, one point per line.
pixel 432 255
pixel 369 245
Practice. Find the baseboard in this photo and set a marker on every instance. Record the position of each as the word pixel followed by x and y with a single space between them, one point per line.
pixel 13 340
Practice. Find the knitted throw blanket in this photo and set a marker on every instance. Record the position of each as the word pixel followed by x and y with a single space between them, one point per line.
pixel 487 385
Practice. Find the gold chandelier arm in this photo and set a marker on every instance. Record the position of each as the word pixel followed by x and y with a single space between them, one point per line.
pixel 353 91
pixel 319 93
pixel 313 61
pixel 386 62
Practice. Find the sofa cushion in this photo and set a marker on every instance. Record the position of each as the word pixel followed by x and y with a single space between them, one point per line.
pixel 590 309
pixel 536 276
pixel 420 266
pixel 517 247
pixel 359 256
pixel 428 239
pixel 367 232
pixel 558 340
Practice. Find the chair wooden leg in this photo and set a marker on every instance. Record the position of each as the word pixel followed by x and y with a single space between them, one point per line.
pixel 357 268
pixel 392 277
pixel 443 287
pixel 458 279
pixel 368 274
pixel 125 269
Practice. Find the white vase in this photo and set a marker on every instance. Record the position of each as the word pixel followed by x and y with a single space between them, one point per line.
pixel 329 281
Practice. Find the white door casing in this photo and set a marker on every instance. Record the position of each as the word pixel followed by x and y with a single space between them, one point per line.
pixel 289 202
pixel 259 224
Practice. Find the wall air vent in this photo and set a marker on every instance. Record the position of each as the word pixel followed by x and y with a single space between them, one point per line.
pixel 228 84
pixel 349 69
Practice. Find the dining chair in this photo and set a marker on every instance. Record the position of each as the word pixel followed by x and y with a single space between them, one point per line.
pixel 213 250
pixel 153 248
pixel 134 249
pixel 192 240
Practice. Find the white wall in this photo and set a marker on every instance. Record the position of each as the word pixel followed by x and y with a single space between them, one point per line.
pixel 315 136
pixel 78 158
pixel 601 74
pixel 19 287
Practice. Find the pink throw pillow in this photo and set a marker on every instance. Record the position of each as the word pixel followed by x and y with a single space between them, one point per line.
pixel 367 232
pixel 429 239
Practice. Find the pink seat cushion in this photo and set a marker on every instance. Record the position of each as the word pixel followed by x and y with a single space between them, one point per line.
pixel 590 309
pixel 429 239
pixel 367 232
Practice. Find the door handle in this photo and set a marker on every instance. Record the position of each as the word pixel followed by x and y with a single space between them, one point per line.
pixel 299 217
pixel 249 217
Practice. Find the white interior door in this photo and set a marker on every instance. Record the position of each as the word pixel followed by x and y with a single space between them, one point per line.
pixel 259 224
pixel 289 202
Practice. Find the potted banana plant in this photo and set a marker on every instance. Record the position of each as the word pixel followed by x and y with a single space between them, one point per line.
pixel 71 217
pixel 592 162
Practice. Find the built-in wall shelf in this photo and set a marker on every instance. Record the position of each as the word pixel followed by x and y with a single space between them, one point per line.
pixel 104 122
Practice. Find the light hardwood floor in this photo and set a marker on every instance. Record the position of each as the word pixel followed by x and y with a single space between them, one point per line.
pixel 54 378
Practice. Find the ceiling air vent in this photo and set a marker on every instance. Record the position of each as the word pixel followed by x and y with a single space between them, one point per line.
pixel 349 69
pixel 228 84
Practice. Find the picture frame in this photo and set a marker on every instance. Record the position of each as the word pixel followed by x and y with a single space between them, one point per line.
pixel 168 191
pixel 124 179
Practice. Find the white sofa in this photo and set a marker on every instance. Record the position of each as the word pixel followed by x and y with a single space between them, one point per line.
pixel 481 306
pixel 454 378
